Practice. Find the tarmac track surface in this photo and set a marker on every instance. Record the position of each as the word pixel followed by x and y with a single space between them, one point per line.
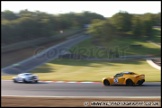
pixel 78 89
pixel 40 57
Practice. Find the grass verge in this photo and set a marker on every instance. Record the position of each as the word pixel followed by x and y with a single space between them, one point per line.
pixel 156 35
pixel 80 70
pixel 120 46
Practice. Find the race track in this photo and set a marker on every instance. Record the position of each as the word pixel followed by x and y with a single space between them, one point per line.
pixel 40 57
pixel 79 89
pixel 67 89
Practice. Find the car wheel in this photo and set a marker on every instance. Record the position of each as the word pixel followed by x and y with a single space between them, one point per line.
pixel 141 82
pixel 36 81
pixel 106 82
pixel 129 82
pixel 14 80
pixel 24 81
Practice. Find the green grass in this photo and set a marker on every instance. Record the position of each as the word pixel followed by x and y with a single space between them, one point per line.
pixel 121 46
pixel 156 35
pixel 145 49
pixel 79 70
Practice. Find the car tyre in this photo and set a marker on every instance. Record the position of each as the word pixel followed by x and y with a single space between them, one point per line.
pixel 141 82
pixel 106 82
pixel 36 81
pixel 24 81
pixel 129 82
pixel 14 81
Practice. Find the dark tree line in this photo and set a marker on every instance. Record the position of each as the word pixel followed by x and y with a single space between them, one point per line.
pixel 27 25
pixel 138 25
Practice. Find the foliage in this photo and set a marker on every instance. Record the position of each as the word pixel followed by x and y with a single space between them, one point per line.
pixel 102 30
pixel 123 23
pixel 27 25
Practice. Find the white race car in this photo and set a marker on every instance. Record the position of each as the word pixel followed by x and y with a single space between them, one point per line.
pixel 25 77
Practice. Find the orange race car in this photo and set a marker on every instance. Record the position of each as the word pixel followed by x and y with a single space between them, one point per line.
pixel 124 78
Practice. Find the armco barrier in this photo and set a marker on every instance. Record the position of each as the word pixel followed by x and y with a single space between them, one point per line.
pixel 35 42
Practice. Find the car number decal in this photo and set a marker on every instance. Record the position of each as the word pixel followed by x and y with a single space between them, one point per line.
pixel 116 80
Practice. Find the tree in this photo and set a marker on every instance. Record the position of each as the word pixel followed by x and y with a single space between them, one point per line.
pixel 147 21
pixel 103 30
pixel 9 15
pixel 27 25
pixel 122 21
pixel 136 26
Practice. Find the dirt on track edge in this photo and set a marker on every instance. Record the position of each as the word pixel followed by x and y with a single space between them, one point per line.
pixel 9 101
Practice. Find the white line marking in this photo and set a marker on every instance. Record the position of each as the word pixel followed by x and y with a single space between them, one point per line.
pixel 71 82
pixel 149 61
pixel 87 82
pixel 47 81
pixel 60 82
